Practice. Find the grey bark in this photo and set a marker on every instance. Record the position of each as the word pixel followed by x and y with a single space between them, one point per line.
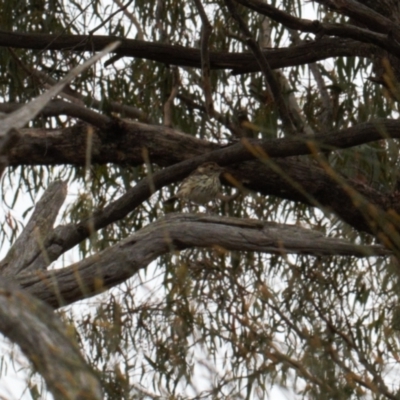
pixel 32 325
pixel 175 232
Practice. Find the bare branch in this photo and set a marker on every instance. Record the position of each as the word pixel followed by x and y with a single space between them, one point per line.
pixel 322 28
pixel 133 19
pixel 46 342
pixel 178 232
pixel 29 245
pixel 160 141
pixel 363 14
pixel 190 57
pixel 61 107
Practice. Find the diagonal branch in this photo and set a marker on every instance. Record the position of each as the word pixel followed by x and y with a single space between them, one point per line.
pixel 44 340
pixel 320 187
pixel 23 115
pixel 77 98
pixel 29 245
pixel 363 14
pixel 384 41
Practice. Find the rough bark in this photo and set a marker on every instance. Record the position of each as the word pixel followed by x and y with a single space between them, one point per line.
pixel 42 337
pixel 29 246
pixel 122 143
pixel 23 319
pixel 178 232
pixel 190 57
pixel 267 167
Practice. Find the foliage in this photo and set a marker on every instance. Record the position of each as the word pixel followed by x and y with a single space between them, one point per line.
pixel 208 322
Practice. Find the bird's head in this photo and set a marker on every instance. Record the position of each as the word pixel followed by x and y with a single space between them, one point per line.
pixel 210 168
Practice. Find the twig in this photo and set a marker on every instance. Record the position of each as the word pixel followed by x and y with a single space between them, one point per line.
pixel 222 119
pixel 298 119
pixel 21 116
pixel 75 97
pixel 131 16
pixel 326 118
pixel 110 17
pixel 320 29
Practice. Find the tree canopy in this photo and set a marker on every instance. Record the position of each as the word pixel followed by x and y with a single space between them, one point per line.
pixel 291 282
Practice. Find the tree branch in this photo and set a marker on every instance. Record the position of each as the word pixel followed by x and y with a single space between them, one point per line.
pixel 190 57
pixel 7 142
pixel 165 146
pixel 363 14
pixel 32 325
pixel 383 41
pixel 23 115
pixel 29 245
pixel 178 232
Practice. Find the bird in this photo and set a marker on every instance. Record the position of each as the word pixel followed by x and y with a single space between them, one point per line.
pixel 201 186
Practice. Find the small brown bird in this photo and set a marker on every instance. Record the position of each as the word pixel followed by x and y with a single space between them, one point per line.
pixel 201 186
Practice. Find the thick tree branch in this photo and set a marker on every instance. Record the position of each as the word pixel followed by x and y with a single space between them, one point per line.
pixel 383 41
pixel 363 14
pixel 124 143
pixel 177 232
pixel 190 57
pixel 32 325
pixel 7 142
pixel 29 245
pixel 166 146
